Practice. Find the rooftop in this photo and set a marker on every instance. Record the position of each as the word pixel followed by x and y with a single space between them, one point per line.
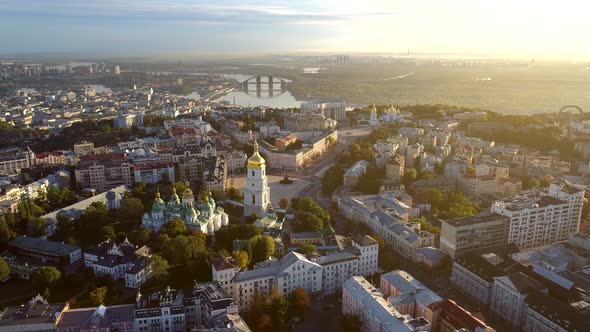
pixel 477 219
pixel 37 311
pixel 42 245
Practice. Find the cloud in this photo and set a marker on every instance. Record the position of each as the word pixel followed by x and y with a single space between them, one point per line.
pixel 203 11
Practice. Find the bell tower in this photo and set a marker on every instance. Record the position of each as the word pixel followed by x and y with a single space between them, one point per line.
pixel 256 191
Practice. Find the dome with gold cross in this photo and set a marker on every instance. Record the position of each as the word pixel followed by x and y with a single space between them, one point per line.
pixel 256 159
pixel 187 193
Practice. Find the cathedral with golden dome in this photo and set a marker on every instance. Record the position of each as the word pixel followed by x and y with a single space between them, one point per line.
pixel 256 190
pixel 203 215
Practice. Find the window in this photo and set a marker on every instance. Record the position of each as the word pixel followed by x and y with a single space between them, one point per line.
pixel 252 173
pixel 253 198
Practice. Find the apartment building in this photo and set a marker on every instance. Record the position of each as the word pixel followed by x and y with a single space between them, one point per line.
pixel 13 160
pixel 104 171
pixel 205 307
pixel 464 234
pixel 361 299
pixel 153 172
pixel 539 218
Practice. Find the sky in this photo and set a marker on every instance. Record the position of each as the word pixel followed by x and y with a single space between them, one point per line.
pixel 512 28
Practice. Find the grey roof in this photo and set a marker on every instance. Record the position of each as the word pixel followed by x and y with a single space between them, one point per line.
pixel 100 317
pixel 43 246
pixel 403 281
pixel 304 235
pixel 335 258
pixel 357 169
pixel 32 313
pixel 79 207
pixel 431 253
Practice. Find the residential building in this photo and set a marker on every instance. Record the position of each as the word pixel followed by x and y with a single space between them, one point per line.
pixel 450 317
pixel 115 318
pixel 285 275
pixel 303 122
pixel 474 272
pixel 361 208
pixel 354 173
pixel 360 298
pixel 153 172
pixel 473 186
pixel 509 295
pixel 37 315
pixel 256 190
pixel 545 313
pixel 464 234
pixel 407 295
pixel 120 261
pixel 201 308
pixel 104 171
pixel 369 254
pixel 539 218
pixel 50 158
pixel 13 160
pixel 202 215
pixel 413 152
pixel 395 167
pixel 84 148
pixel 336 269
pixel 402 237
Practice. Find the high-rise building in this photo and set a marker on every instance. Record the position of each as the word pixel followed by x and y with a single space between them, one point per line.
pixel 256 191
pixel 539 218
pixel 117 70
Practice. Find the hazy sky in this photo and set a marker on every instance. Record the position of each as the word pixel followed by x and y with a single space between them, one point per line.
pixel 523 28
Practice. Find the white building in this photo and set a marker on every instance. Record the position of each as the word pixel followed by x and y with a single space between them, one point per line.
pixel 256 190
pixel 153 172
pixel 120 261
pixel 285 275
pixel 540 218
pixel 369 255
pixel 509 297
pixel 360 298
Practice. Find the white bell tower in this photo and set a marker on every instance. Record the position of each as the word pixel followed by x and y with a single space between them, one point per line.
pixel 256 191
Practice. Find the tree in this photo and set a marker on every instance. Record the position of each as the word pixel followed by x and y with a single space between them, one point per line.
pixel 108 233
pixel 332 179
pixel 435 198
pixel 37 226
pixel 5 233
pixel 173 228
pixel 139 237
pixel 4 269
pixel 45 277
pixel 299 300
pixel 98 296
pixel 225 236
pixel 350 323
pixel 263 247
pixel 305 222
pixel 530 182
pixel 234 194
pixel 409 177
pixel 159 267
pixel 370 181
pixel 241 257
pixel 284 203
pixel 307 249
pixel 131 209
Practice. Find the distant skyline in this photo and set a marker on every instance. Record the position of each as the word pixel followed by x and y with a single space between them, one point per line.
pixel 525 29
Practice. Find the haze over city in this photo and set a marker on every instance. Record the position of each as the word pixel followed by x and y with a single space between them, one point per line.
pixel 522 29
pixel 294 166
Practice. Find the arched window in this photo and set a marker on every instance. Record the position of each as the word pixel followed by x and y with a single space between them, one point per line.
pixel 253 199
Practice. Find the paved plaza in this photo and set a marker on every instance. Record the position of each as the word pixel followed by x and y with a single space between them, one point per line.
pixel 277 190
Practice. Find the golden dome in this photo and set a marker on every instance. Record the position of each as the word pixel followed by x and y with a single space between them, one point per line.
pixel 187 193
pixel 256 160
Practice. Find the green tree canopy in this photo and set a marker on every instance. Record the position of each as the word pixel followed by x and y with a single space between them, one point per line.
pixel 98 296
pixel 159 267
pixel 4 269
pixel 262 247
pixel 45 277
pixel 173 228
pixel 242 259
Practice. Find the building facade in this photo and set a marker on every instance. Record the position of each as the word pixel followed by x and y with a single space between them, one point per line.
pixel 256 190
